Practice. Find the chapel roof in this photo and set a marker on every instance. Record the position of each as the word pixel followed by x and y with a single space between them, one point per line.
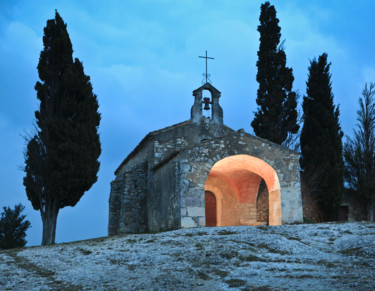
pixel 146 138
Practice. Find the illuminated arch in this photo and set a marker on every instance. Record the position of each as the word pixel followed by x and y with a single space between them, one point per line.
pixel 232 176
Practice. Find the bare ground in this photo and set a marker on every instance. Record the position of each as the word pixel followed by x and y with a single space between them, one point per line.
pixel 329 256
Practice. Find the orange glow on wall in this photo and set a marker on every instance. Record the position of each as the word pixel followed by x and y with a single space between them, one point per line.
pixel 234 181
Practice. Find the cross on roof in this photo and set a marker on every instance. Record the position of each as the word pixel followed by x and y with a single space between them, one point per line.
pixel 207 75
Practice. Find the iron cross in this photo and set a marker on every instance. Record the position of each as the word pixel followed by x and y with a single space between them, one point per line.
pixel 207 75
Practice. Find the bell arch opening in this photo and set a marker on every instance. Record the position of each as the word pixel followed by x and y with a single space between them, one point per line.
pixel 247 192
pixel 207 103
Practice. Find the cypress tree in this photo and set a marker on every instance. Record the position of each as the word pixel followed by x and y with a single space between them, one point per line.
pixel 359 153
pixel 62 157
pixel 276 116
pixel 321 140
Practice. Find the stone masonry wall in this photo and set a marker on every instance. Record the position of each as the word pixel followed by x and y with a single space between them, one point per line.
pixel 163 201
pixel 163 150
pixel 128 202
pixel 262 203
pixel 157 150
pixel 117 188
pixel 196 163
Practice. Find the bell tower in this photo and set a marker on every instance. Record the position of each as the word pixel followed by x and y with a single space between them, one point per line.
pixel 199 102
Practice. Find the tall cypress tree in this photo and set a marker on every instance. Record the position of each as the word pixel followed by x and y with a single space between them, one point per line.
pixel 359 153
pixel 321 140
pixel 276 116
pixel 62 157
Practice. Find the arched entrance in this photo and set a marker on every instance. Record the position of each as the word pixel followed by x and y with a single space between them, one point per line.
pixel 236 183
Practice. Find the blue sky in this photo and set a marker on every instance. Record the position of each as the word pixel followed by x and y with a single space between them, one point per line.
pixel 142 57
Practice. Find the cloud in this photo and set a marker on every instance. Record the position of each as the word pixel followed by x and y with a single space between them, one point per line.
pixel 21 41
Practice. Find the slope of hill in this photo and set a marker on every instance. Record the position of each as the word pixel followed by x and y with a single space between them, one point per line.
pixel 316 256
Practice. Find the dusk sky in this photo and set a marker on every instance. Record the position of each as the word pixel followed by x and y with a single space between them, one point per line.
pixel 142 57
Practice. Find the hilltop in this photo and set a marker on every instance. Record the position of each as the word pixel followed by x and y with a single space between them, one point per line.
pixel 330 256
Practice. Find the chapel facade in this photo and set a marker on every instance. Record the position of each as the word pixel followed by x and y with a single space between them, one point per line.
pixel 202 173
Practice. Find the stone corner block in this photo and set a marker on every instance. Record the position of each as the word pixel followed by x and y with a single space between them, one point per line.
pixel 202 221
pixel 195 211
pixel 187 222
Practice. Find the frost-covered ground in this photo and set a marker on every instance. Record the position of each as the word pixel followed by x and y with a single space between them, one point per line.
pixel 291 257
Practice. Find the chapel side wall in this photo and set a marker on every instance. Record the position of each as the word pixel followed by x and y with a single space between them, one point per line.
pixel 128 202
pixel 122 195
pixel 117 188
pixel 133 201
pixel 196 162
pixel 163 203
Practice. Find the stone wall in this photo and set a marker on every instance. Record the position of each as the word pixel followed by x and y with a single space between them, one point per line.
pixel 128 202
pixel 197 161
pixel 191 190
pixel 163 201
pixel 262 203
pixel 311 209
pixel 117 189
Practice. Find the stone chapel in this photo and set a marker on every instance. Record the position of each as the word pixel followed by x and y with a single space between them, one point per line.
pixel 202 173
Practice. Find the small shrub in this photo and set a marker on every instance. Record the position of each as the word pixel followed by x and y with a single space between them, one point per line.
pixel 85 252
pixel 271 250
pixel 306 220
pixel 203 275
pixel 220 273
pixel 13 227
pixel 235 282
pixel 132 267
pixel 229 255
pixel 250 258
pixel 331 265
pixel 294 238
pixel 351 251
pixel 304 276
pixel 199 246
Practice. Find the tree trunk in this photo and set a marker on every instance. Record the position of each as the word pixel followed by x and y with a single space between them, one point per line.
pixel 49 218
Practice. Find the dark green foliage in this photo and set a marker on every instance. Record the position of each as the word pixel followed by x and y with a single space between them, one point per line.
pixel 13 227
pixel 62 157
pixel 321 140
pixel 276 117
pixel 359 152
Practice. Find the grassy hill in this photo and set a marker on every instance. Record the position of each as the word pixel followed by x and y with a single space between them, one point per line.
pixel 327 256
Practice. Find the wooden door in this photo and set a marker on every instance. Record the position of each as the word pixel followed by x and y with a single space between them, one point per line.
pixel 210 205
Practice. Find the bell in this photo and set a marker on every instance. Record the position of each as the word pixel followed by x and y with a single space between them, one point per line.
pixel 206 102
